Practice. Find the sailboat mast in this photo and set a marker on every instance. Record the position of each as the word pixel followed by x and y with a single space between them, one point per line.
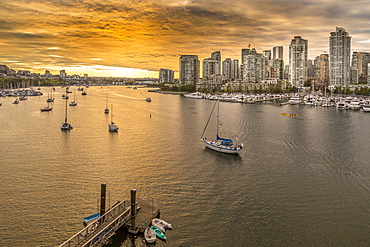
pixel 111 115
pixel 218 114
pixel 66 112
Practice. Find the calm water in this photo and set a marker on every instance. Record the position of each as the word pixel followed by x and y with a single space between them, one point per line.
pixel 297 182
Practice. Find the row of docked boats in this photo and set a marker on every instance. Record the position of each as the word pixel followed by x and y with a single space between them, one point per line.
pixel 237 98
pixel 341 103
pixel 157 229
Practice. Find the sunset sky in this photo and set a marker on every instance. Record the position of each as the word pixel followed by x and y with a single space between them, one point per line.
pixel 136 38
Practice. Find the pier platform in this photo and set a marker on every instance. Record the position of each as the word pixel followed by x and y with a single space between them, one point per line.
pixel 133 216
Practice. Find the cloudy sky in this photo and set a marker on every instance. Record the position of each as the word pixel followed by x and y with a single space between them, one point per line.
pixel 135 38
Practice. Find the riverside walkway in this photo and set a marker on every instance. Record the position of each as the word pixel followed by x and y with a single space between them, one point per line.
pixel 99 231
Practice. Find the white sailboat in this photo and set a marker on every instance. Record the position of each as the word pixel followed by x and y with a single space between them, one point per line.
pixel 74 102
pixel 106 110
pixel 222 145
pixel 112 126
pixel 66 125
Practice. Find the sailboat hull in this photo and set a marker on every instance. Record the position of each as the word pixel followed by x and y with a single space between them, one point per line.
pixel 217 146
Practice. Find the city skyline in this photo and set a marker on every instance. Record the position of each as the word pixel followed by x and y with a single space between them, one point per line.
pixel 138 38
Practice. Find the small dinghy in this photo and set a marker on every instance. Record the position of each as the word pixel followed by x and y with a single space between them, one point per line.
pixel 161 224
pixel 159 233
pixel 150 235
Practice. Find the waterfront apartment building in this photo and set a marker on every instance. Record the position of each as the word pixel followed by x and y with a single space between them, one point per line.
pixel 230 69
pixel 321 64
pixel 210 67
pixel 298 53
pixel 189 69
pixel 278 68
pixel 277 52
pixel 267 54
pixel 166 76
pixel 226 68
pixel 217 56
pixel 253 67
pixel 360 60
pixel 339 58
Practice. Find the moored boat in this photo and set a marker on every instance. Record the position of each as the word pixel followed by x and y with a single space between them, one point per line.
pixel 150 235
pixel 112 126
pixel 161 224
pixel 366 108
pixel 222 145
pixel 46 108
pixel 294 101
pixel 341 105
pixel 66 125
pixel 195 95
pixel 159 233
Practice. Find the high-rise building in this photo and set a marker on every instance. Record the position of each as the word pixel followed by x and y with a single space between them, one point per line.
pixel 339 58
pixel 298 53
pixel 267 54
pixel 189 69
pixel 321 64
pixel 277 52
pixel 210 67
pixel 310 69
pixel 253 69
pixel 278 66
pixel 217 56
pixel 166 76
pixel 226 68
pixel 360 61
pixel 235 69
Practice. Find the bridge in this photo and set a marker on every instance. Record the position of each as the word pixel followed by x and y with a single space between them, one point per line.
pixel 120 215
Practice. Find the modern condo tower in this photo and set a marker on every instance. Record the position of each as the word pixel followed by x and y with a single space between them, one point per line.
pixel 340 57
pixel 277 52
pixel 298 52
pixel 189 69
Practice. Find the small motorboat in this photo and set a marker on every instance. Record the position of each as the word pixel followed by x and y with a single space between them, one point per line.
pixel 150 235
pixel 16 101
pixel 148 100
pixel 161 224
pixel 159 233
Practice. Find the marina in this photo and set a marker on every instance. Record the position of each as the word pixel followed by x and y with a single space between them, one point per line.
pixel 297 181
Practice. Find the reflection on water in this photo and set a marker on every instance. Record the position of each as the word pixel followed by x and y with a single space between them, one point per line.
pixel 297 180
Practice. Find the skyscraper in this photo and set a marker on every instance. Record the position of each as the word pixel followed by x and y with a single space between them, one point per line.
pixel 253 68
pixel 322 69
pixel 360 61
pixel 277 52
pixel 226 68
pixel 166 76
pixel 340 56
pixel 217 56
pixel 210 67
pixel 298 52
pixel 189 69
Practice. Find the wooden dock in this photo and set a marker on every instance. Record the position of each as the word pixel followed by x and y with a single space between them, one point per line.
pixel 147 210
pixel 98 232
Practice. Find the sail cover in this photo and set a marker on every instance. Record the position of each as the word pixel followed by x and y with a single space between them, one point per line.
pixel 225 141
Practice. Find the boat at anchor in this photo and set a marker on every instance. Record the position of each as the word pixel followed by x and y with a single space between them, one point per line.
pixel 222 145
